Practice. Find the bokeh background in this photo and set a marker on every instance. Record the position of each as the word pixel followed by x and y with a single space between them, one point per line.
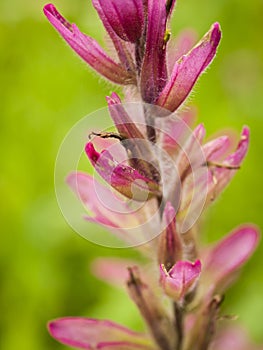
pixel 45 90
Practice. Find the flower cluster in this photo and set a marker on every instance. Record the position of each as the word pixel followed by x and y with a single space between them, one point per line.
pixel 170 170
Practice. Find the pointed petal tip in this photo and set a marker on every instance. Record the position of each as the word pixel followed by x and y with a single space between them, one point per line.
pixel 245 132
pixel 237 157
pixel 48 8
pixel 56 329
pixel 57 20
pixel 113 99
pixel 216 33
pixel 200 129
pixel 71 177
pixel 91 152
pixel 198 265
pixel 169 210
pixel 252 231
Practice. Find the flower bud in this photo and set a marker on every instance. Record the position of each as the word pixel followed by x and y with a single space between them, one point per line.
pixel 180 279
pixel 170 246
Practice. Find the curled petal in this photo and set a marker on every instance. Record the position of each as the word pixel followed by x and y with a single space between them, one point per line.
pixel 222 174
pixel 87 333
pixel 125 17
pixel 87 48
pixel 123 178
pixel 154 72
pixel 187 70
pixel 180 279
pixel 237 157
pixel 230 254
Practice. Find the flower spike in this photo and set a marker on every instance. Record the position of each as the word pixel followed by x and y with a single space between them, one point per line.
pixel 88 49
pixel 159 174
pixel 187 70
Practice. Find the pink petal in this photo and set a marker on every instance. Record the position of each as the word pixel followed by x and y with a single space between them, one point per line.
pixel 112 270
pixel 215 149
pixel 221 176
pixel 233 338
pixel 141 155
pixel 188 69
pixel 89 334
pixel 154 73
pixel 125 125
pixel 180 278
pixel 105 206
pixel 87 48
pixel 125 17
pixel 231 253
pixel 191 153
pixel 237 157
pixel 190 188
pixel 123 48
pixel 180 46
pixel 170 245
pixel 123 178
pixel 174 130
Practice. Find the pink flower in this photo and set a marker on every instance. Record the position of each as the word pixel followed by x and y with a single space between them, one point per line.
pixel 180 279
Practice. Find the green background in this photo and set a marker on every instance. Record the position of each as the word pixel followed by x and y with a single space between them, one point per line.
pixel 45 89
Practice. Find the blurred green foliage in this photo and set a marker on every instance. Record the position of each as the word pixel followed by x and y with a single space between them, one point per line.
pixel 44 265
